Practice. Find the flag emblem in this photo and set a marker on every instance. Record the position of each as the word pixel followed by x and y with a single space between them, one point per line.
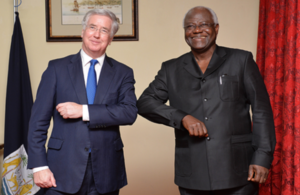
pixel 16 178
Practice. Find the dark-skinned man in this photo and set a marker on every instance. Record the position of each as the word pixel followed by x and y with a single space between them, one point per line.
pixel 210 91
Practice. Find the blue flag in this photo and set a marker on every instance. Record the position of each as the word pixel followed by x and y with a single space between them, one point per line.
pixel 16 178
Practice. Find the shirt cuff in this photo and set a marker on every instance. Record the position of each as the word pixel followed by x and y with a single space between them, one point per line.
pixel 37 169
pixel 85 113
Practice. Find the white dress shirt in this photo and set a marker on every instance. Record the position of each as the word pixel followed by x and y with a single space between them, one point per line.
pixel 85 59
pixel 85 67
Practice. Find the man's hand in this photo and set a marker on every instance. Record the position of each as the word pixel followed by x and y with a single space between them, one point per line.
pixel 194 126
pixel 44 179
pixel 69 110
pixel 260 174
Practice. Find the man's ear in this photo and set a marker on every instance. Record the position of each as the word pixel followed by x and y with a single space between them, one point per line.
pixel 110 40
pixel 217 29
pixel 82 33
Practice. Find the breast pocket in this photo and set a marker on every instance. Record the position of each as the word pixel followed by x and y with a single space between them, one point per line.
pixel 229 87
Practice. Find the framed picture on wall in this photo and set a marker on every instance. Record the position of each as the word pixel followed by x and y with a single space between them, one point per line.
pixel 63 18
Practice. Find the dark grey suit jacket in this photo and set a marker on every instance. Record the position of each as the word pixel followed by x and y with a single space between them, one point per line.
pixel 221 98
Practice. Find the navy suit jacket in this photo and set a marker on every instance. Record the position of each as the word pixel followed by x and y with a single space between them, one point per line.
pixel 67 155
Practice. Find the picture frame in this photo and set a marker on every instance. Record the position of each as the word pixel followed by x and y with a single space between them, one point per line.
pixel 62 15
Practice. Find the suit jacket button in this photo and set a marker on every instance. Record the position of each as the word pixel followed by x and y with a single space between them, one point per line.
pixel 206 118
pixel 205 99
pixel 203 80
pixel 208 138
pixel 174 124
pixel 86 149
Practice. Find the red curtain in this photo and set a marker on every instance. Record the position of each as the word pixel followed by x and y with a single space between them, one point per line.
pixel 278 58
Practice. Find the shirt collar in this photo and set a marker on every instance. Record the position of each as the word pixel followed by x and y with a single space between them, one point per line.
pixel 86 59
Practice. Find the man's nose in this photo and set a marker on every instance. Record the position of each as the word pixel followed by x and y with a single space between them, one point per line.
pixel 197 29
pixel 97 33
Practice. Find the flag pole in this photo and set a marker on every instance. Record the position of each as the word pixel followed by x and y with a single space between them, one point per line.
pixel 15 9
pixel 16 6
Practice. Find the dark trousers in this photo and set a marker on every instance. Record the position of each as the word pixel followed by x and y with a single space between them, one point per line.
pixel 249 189
pixel 88 185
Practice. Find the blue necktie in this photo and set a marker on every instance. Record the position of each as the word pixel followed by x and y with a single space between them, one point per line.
pixel 91 84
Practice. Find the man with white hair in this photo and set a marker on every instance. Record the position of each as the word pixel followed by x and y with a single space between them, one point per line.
pixel 89 95
pixel 210 91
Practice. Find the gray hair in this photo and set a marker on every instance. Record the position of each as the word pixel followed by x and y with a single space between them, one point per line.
pixel 214 15
pixel 102 12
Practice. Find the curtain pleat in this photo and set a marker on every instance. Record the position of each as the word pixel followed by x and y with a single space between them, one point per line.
pixel 278 58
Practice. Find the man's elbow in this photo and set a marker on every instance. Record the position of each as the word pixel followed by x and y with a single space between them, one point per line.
pixel 141 104
pixel 131 116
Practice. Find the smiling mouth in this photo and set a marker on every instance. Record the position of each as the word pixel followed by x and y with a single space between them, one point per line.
pixel 95 42
pixel 202 37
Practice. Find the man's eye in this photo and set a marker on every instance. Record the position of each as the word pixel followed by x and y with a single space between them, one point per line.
pixel 104 30
pixel 204 25
pixel 190 26
pixel 92 27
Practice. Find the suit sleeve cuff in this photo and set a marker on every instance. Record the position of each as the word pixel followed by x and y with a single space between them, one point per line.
pixel 176 119
pixel 37 169
pixel 85 113
pixel 262 159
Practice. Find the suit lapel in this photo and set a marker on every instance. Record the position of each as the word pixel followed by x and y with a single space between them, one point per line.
pixel 216 61
pixel 76 74
pixel 191 65
pixel 106 76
